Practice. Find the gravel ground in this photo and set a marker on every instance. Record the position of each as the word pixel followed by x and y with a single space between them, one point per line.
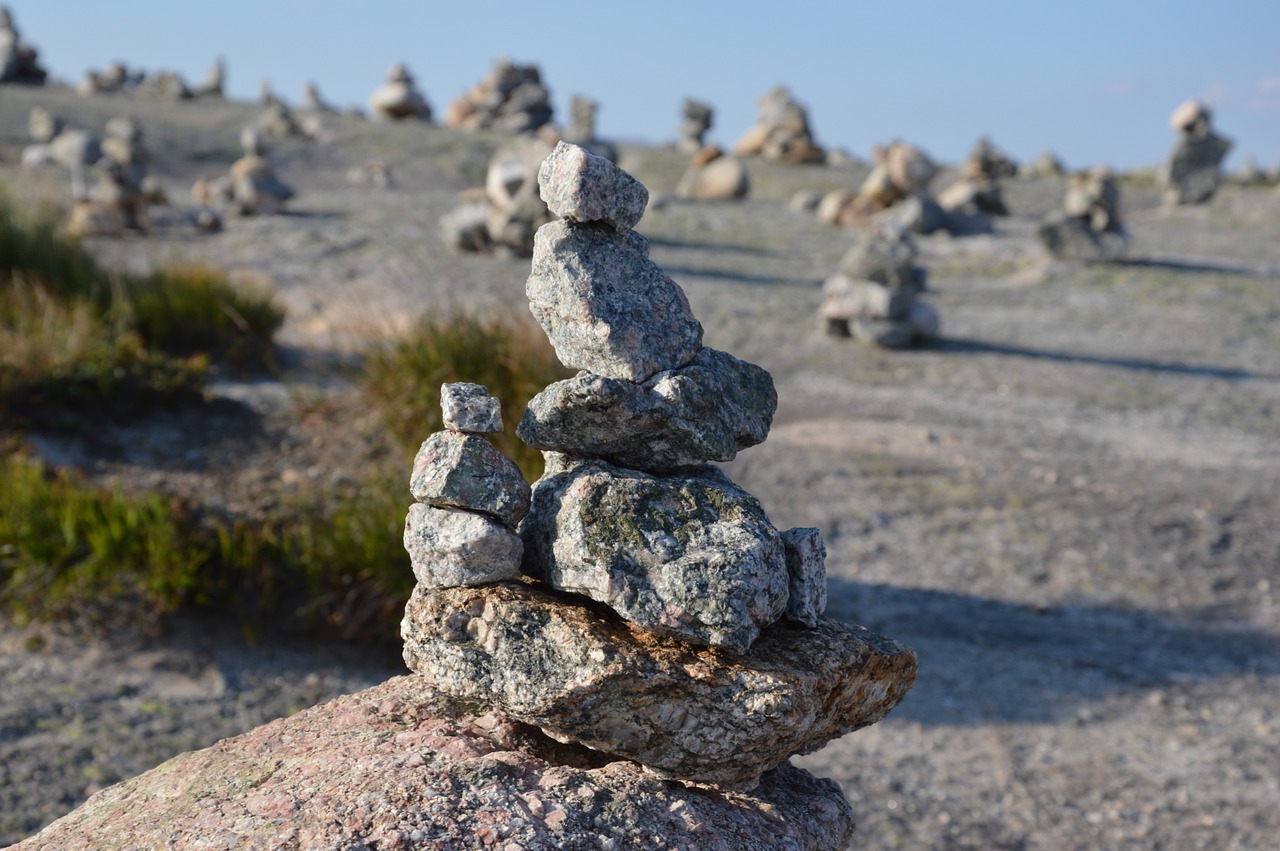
pixel 1067 507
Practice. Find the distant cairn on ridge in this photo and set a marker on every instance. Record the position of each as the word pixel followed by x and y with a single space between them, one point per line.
pixel 1088 228
pixel 1193 170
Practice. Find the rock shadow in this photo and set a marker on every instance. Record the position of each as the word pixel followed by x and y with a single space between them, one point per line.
pixel 1197 267
pixel 985 661
pixel 963 346
pixel 678 272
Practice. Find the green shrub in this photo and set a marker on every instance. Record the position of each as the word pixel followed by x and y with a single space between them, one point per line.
pixel 508 354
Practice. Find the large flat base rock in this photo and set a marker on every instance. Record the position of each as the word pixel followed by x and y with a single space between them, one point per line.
pixel 383 769
pixel 582 674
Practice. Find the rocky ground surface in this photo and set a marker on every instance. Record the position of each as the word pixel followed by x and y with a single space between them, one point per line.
pixel 1067 507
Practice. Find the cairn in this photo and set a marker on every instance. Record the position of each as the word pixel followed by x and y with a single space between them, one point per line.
pixel 397 99
pixel 507 211
pixel 19 61
pixel 781 133
pixel 647 607
pixel 314 102
pixel 115 78
pixel 978 191
pixel 874 296
pixel 1193 171
pixel 510 99
pixel 581 130
pixel 899 179
pixel 251 187
pixel 695 121
pixel 166 86
pixel 1046 165
pixel 1088 228
pixel 214 83
pixel 118 201
pixel 713 176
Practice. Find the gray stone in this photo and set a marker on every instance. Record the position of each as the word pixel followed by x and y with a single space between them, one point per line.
pixel 452 547
pixel 605 306
pixel 582 187
pixel 1193 171
pixel 721 179
pixel 919 214
pixel 706 411
pixel 884 257
pixel 466 228
pixel 469 407
pixel 695 714
pixel 807 576
pixel 465 471
pixel 688 555
pixel 1071 238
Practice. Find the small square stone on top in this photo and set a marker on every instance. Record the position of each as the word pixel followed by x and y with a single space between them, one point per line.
pixel 579 186
pixel 469 407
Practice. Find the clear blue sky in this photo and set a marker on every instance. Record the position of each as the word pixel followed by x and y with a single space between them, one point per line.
pixel 1094 80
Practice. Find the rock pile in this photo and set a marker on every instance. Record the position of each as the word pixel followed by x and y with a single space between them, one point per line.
pixel 695 121
pixel 251 187
pixel 712 176
pixel 507 211
pixel 398 99
pixel 119 199
pixel 116 77
pixel 1088 228
pixel 1046 165
pixel 214 83
pixel 19 61
pixel 511 99
pixel 875 294
pixel 654 613
pixel 581 130
pixel 900 176
pixel 781 133
pixel 977 191
pixel 1193 171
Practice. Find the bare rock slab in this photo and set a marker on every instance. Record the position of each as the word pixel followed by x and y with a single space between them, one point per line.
pixel 706 411
pixel 383 768
pixel 579 186
pixel 449 547
pixel 689 555
pixel 606 307
pixel 458 470
pixel 469 407
pixel 691 713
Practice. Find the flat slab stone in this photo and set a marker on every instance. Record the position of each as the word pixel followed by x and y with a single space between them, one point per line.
pixel 469 407
pixel 692 713
pixel 386 768
pixel 450 547
pixel 606 307
pixel 453 469
pixel 706 411
pixel 689 555
pixel 579 186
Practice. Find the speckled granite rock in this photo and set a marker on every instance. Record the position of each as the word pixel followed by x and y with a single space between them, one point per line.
pixel 458 470
pixel 450 547
pixel 606 307
pixel 694 713
pixel 689 554
pixel 469 407
pixel 582 187
pixel 384 769
pixel 706 411
pixel 806 574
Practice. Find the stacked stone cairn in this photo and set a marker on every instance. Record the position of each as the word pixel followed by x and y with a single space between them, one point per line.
pixel 978 189
pixel 781 132
pixel 647 607
pixel 115 78
pixel 874 296
pixel 19 61
pixel 398 99
pixel 507 211
pixel 119 198
pixel 214 83
pixel 251 187
pixel 1088 228
pixel 1046 165
pixel 713 176
pixel 695 121
pixel 1193 171
pixel 899 179
pixel 581 129
pixel 511 99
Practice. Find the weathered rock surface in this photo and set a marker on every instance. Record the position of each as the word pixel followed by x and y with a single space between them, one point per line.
pixel 689 555
pixel 450 547
pixel 385 769
pixel 807 575
pixel 582 187
pixel 694 713
pixel 469 407
pixel 706 411
pixel 605 306
pixel 454 469
pixel 715 178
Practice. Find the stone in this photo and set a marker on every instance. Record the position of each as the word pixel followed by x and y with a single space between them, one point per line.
pixel 832 205
pixel 706 411
pixel 781 132
pixel 1193 171
pixel 19 61
pixel 453 547
pixel 909 168
pixel 1070 238
pixel 719 178
pixel 43 126
pixel 806 575
pixel 582 187
pixel 511 98
pixel 1088 228
pixel 688 554
pixel 457 470
pixel 918 214
pixel 469 407
pixel 1045 165
pixel 805 201
pixel 694 714
pixel 605 306
pixel 397 99
pixel 214 81
pixel 883 257
pixel 695 120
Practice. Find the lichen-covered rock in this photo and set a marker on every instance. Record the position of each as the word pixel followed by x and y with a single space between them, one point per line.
pixel 582 187
pixel 606 307
pixel 469 407
pixel 451 547
pixel 689 555
pixel 385 768
pixel 466 471
pixel 706 411
pixel 807 575
pixel 690 713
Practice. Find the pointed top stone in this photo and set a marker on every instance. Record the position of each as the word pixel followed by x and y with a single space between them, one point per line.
pixel 469 408
pixel 579 186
